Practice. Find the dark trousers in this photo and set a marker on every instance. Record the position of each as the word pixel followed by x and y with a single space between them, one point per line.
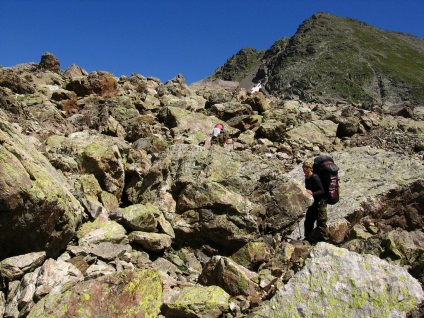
pixel 317 212
pixel 220 139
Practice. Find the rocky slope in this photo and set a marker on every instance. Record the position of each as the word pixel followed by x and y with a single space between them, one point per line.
pixel 110 190
pixel 331 57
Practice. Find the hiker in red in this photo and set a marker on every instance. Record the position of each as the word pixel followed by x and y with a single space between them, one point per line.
pixel 318 210
pixel 219 126
pixel 219 135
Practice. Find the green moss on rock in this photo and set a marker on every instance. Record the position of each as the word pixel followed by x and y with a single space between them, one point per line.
pixel 126 294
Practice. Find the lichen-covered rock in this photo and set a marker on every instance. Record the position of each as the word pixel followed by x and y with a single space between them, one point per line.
pixel 154 242
pixel 272 130
pixel 10 79
pixel 252 255
pixel 38 211
pixel 101 230
pixel 212 194
pixel 74 71
pixel 2 304
pixel 99 155
pixel 230 276
pixel 126 294
pixel 321 132
pixel 247 139
pixel 336 283
pixel 348 127
pixel 397 246
pixel 107 250
pixel 47 279
pixel 369 173
pixel 258 102
pixel 231 109
pixel 15 267
pixel 53 275
pixel 243 123
pixel 98 82
pixel 409 247
pixel 197 301
pixel 138 217
pixel 89 192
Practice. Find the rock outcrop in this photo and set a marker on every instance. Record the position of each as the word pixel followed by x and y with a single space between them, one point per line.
pixel 38 210
pixel 334 282
pixel 335 58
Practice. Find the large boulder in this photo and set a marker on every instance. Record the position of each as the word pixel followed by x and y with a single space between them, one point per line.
pixel 138 217
pixel 101 83
pixel 118 116
pixel 15 267
pixel 153 242
pixel 176 86
pixel 398 246
pixel 230 276
pixel 10 78
pixel 49 62
pixel 229 110
pixel 126 294
pixel 74 71
pixel 91 153
pixel 366 175
pixel 197 301
pixel 99 231
pixel 40 113
pixel 320 132
pixel 50 278
pixel 252 255
pixel 38 212
pixel 335 281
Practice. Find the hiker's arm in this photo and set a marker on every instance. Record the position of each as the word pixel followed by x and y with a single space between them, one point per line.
pixel 320 191
pixel 224 134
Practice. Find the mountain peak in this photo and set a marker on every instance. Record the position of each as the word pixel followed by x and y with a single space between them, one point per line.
pixel 338 58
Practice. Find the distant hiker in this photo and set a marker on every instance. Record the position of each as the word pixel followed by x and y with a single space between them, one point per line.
pixel 318 210
pixel 219 136
pixel 256 88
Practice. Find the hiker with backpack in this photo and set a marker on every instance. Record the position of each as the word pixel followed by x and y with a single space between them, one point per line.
pixel 317 212
pixel 219 136
pixel 322 182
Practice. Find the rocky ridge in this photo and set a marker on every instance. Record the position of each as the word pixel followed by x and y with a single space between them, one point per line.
pixel 109 189
pixel 333 58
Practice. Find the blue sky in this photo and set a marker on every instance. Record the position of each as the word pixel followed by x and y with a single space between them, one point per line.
pixel 165 38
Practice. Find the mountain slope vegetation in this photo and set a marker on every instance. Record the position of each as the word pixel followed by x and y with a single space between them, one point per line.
pixel 336 58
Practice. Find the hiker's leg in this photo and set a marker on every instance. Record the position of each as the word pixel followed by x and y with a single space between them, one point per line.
pixel 322 221
pixel 221 140
pixel 309 221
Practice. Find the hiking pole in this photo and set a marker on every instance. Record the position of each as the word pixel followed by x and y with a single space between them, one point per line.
pixel 300 233
pixel 207 161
